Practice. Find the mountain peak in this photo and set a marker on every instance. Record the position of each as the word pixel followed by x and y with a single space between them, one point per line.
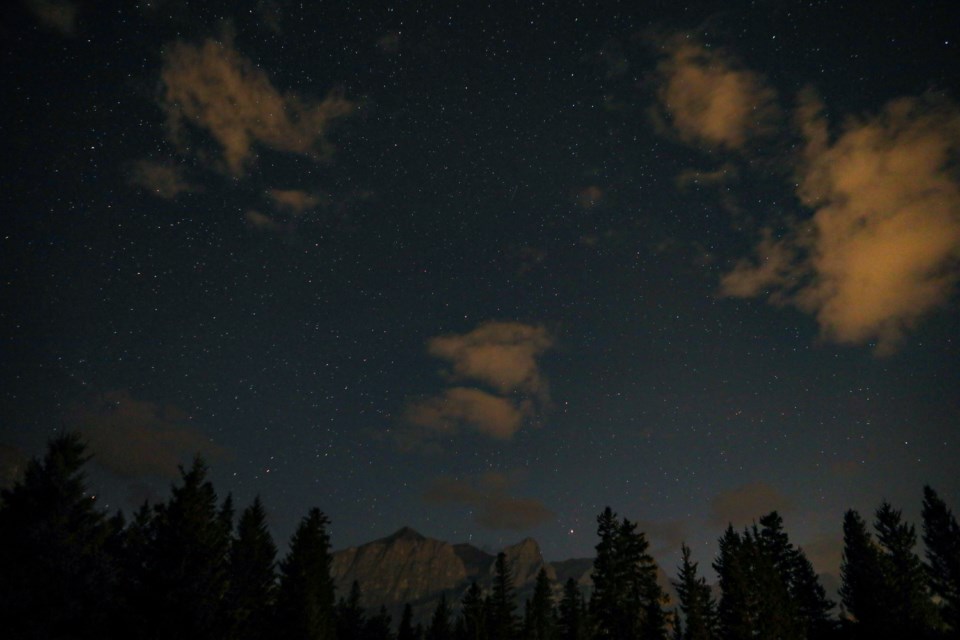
pixel 404 533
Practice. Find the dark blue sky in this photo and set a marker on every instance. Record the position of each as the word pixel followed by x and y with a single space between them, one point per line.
pixel 485 271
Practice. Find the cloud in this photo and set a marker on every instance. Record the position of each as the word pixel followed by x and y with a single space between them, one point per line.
pixel 259 220
pixel 488 496
pixel 447 412
pixel 590 197
pixel 58 15
pixel 665 535
pixel 744 504
pixel 708 100
pixel 134 438
pixel 211 87
pixel 882 249
pixel 698 178
pixel 293 200
pixel 502 355
pixel 161 179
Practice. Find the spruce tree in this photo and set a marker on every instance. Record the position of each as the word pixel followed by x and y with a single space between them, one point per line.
pixel 863 590
pixel 941 535
pixel 378 627
pixel 502 623
pixel 406 630
pixel 627 601
pixel 350 617
pixel 185 571
pixel 906 577
pixel 305 597
pixel 439 628
pixel 571 623
pixel 472 624
pixel 737 608
pixel 56 580
pixel 696 601
pixel 252 576
pixel 539 623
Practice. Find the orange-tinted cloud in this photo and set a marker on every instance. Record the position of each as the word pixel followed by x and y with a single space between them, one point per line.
pixel 488 496
pixel 477 409
pixel 590 197
pixel 502 355
pixel 883 246
pixel 295 201
pixel 744 504
pixel 135 438
pixel 707 99
pixel 212 87
pixel 58 15
pixel 161 179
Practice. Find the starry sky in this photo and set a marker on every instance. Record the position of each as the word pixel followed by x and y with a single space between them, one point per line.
pixel 485 270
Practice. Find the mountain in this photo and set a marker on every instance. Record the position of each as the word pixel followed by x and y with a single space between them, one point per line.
pixel 409 567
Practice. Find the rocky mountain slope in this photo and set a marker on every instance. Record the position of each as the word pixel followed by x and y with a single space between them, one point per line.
pixel 409 567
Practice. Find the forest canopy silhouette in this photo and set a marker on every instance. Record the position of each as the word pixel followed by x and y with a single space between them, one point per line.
pixel 191 567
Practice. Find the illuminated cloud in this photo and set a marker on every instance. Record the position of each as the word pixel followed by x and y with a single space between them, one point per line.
pixel 502 355
pixel 259 220
pixel 708 100
pixel 502 358
pixel 590 197
pixel 134 438
pixel 744 504
pixel 488 497
pixel 213 88
pixel 58 15
pixel 883 247
pixel 160 179
pixel 293 200
pixel 458 407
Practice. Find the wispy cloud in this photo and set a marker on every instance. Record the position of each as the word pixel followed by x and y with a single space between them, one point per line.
pixel 211 87
pixel 489 497
pixel 883 246
pixel 708 99
pixel 58 15
pixel 742 505
pixel 135 438
pixel 164 180
pixel 501 358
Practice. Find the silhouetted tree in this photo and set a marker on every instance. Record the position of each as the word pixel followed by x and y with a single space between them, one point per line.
pixel 252 576
pixel 905 574
pixel 539 620
pixel 185 569
pixel 439 628
pixel 941 535
pixel 406 630
pixel 502 622
pixel 350 617
pixel 738 608
pixel 627 600
pixel 863 585
pixel 472 623
pixel 571 613
pixel 378 627
pixel 55 577
pixel 696 601
pixel 305 597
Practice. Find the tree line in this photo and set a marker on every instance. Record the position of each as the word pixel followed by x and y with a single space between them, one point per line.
pixel 189 568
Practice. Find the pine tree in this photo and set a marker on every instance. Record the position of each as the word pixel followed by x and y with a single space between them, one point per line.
pixel 627 601
pixel 406 630
pixel 56 576
pixel 350 617
pixel 185 577
pixel 696 602
pixel 502 623
pixel 737 608
pixel 539 623
pixel 472 623
pixel 378 626
pixel 941 535
pixel 810 599
pixel 252 574
pixel 905 575
pixel 863 590
pixel 572 623
pixel 305 597
pixel 439 628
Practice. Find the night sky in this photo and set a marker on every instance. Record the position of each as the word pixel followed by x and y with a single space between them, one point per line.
pixel 483 271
